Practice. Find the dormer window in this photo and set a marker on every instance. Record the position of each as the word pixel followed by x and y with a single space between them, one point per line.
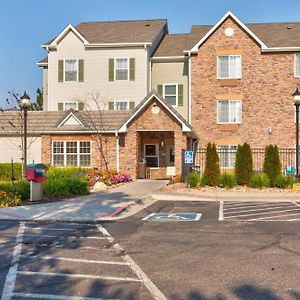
pixel 229 66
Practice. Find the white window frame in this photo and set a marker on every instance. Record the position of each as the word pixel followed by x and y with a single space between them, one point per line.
pixel 229 77
pixel 77 72
pixel 231 164
pixel 65 153
pixel 70 102
pixel 297 54
pixel 115 68
pixel 164 94
pixel 156 150
pixel 229 122
pixel 115 105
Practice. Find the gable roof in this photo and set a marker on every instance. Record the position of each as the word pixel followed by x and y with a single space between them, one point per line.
pixel 51 121
pixel 186 127
pixel 114 32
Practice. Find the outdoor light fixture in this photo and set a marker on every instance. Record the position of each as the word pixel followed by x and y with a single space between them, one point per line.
pixel 24 103
pixel 296 96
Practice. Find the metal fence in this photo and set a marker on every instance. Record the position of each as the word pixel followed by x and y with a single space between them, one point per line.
pixel 227 159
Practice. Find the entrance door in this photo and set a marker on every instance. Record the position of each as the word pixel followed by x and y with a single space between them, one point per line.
pixel 151 154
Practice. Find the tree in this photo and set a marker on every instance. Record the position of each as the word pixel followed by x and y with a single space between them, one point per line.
pixel 212 167
pixel 272 165
pixel 243 164
pixel 38 104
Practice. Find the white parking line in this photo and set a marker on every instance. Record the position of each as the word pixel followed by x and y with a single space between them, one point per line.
pixel 155 292
pixel 55 297
pixel 296 203
pixel 76 260
pixel 261 213
pixel 256 205
pixel 258 209
pixel 12 273
pixel 273 217
pixel 221 215
pixel 67 236
pixel 113 278
pixel 50 229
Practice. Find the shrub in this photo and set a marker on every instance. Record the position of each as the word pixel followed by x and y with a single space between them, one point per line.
pixel 65 187
pixel 6 171
pixel 68 172
pixel 212 168
pixel 227 180
pixel 272 165
pixel 243 164
pixel 193 179
pixel 284 182
pixel 175 179
pixel 9 199
pixel 260 181
pixel 22 188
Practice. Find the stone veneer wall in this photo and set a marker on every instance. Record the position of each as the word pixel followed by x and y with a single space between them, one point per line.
pixel 265 91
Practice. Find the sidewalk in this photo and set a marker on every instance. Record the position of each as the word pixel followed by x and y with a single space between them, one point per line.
pixel 91 208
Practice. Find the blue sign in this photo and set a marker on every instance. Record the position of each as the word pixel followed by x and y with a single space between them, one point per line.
pixel 173 217
pixel 290 170
pixel 188 157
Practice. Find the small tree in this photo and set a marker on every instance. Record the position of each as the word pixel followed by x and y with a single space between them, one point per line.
pixel 212 167
pixel 243 164
pixel 272 165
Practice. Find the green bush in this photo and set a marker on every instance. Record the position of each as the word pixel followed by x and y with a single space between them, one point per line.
pixel 22 188
pixel 212 167
pixel 9 199
pixel 272 165
pixel 6 171
pixel 65 187
pixel 227 180
pixel 260 180
pixel 284 182
pixel 243 164
pixel 193 179
pixel 54 172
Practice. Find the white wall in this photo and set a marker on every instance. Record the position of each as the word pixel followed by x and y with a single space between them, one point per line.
pixel 11 149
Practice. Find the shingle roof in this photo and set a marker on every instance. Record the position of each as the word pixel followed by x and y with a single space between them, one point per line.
pixel 48 121
pixel 135 31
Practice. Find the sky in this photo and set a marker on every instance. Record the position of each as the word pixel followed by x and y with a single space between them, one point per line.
pixel 26 24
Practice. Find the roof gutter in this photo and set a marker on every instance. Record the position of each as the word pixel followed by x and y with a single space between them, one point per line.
pixel 168 58
pixel 281 49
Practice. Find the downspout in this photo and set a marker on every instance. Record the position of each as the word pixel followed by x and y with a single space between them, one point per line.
pixel 117 151
pixel 189 93
pixel 146 69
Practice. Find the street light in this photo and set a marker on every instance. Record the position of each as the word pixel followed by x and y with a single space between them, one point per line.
pixel 296 96
pixel 24 103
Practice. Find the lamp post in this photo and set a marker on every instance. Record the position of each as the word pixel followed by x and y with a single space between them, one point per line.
pixel 296 96
pixel 24 103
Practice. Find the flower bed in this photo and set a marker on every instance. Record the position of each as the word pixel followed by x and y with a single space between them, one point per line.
pixel 9 199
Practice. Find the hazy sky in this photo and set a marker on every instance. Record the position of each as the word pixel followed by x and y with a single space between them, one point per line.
pixel 26 24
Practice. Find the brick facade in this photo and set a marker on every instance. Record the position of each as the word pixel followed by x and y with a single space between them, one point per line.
pixel 265 92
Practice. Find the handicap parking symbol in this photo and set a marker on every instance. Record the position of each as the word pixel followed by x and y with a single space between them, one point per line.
pixel 188 157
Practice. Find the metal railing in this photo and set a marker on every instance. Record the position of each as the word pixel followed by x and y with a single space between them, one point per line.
pixel 227 159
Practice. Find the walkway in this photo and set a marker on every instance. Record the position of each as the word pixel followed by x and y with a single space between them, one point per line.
pixel 90 208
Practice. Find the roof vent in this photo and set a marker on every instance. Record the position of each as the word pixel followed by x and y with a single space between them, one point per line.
pixel 147 24
pixel 289 27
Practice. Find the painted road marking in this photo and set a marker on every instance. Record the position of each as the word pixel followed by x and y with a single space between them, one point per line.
pixel 253 211
pixel 221 209
pixel 113 278
pixel 55 297
pixel 155 292
pixel 12 273
pixel 173 217
pixel 87 261
pixel 50 229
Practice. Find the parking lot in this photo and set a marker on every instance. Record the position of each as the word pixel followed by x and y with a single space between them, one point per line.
pixel 71 261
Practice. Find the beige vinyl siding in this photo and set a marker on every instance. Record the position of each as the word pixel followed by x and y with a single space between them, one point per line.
pixel 172 72
pixel 95 83
pixel 11 149
pixel 45 88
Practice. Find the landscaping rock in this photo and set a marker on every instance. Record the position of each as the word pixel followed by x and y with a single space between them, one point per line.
pixel 99 186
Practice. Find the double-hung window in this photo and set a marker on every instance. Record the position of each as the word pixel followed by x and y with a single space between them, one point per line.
pixel 71 70
pixel 70 105
pixel 71 153
pixel 170 94
pixel 121 69
pixel 121 105
pixel 227 154
pixel 229 66
pixel 297 64
pixel 229 111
